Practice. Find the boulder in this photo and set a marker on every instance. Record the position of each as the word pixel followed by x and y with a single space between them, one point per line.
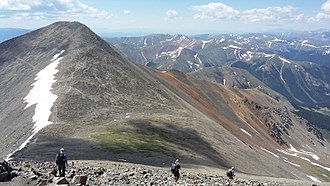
pixel 72 173
pixel 4 176
pixel 79 180
pixel 42 183
pixel 83 180
pixel 61 181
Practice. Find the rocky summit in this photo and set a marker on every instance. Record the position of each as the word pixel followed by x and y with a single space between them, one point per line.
pixel 62 86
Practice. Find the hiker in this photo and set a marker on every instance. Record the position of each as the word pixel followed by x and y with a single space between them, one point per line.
pixel 231 173
pixel 5 171
pixel 61 162
pixel 175 170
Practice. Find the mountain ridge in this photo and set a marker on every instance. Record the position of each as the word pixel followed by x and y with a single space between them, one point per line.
pixel 109 108
pixel 294 65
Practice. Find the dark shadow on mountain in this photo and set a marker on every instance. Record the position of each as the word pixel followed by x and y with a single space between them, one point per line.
pixel 45 148
pixel 318 119
pixel 186 138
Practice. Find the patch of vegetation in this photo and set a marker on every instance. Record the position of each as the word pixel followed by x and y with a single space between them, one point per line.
pixel 154 137
pixel 127 141
pixel 319 120
pixel 325 134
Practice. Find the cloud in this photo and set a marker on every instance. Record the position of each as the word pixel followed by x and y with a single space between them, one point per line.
pixel 33 16
pixel 213 11
pixel 31 9
pixel 323 15
pixel 171 14
pixel 13 5
pixel 272 14
pixel 127 12
pixel 326 6
pixel 269 15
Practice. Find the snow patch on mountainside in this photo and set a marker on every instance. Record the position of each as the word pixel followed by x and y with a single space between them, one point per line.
pixel 246 132
pixel 276 156
pixel 269 55
pixel 292 163
pixel 205 42
pixel 285 60
pixel 316 164
pixel 42 97
pixel 232 47
pixel 326 51
pixel 314 179
pixel 248 55
pixel 172 54
pixel 294 152
pixel 220 41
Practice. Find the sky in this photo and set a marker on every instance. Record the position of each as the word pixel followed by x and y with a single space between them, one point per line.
pixel 170 16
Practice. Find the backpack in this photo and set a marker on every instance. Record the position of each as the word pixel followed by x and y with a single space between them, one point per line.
pixel 230 174
pixel 173 168
pixel 60 159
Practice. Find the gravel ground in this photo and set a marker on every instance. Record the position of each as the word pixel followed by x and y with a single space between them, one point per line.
pixel 104 173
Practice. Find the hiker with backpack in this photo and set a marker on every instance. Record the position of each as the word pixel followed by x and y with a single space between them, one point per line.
pixel 175 167
pixel 61 162
pixel 231 173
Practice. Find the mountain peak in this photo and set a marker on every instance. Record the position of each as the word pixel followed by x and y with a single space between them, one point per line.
pixel 73 28
pixel 114 109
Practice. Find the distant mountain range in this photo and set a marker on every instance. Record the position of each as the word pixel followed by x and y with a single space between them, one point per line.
pixel 224 49
pixel 8 33
pixel 296 65
pixel 64 86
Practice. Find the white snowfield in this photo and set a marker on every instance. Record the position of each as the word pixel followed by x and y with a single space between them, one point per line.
pixel 42 97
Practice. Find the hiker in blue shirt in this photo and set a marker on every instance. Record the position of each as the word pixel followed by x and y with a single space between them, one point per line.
pixel 61 162
pixel 175 167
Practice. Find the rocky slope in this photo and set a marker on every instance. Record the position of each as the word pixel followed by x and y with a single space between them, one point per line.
pixel 105 107
pixel 114 173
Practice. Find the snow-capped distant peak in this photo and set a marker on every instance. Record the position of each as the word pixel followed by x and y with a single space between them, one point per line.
pixel 232 46
pixel 306 43
pixel 278 40
pixel 221 40
pixel 205 42
pixel 248 55
pixel 173 54
pixel 269 55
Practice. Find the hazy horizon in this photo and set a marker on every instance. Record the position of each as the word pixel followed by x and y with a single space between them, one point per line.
pixel 187 17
